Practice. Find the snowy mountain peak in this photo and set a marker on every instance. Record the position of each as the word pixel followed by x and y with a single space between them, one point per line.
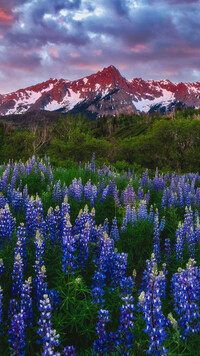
pixel 106 92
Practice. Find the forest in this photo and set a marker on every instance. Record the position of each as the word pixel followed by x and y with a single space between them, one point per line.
pixel 136 141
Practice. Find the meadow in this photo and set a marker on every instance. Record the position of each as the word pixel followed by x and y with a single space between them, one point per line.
pixel 94 261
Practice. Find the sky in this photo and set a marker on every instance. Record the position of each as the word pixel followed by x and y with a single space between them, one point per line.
pixel 70 39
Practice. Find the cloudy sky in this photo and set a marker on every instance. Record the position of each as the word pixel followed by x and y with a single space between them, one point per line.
pixel 70 39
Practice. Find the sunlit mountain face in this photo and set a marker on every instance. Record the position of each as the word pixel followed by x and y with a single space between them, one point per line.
pixel 148 39
pixel 106 92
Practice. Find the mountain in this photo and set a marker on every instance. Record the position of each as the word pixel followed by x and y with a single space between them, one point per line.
pixel 106 92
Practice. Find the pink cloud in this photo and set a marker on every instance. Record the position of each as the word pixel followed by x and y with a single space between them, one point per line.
pixel 74 55
pixel 138 48
pixel 53 52
pixel 98 52
pixel 5 17
pixel 85 66
pixel 123 66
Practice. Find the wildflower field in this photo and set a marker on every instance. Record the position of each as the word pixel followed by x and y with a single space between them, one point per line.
pixel 96 262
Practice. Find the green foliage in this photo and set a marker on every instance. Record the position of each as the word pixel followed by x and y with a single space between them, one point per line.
pixel 150 141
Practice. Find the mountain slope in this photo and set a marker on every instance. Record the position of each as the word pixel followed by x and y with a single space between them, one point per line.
pixel 103 93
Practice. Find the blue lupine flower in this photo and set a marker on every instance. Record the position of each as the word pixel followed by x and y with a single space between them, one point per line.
pixel 162 224
pixel 17 334
pixel 186 293
pixel 7 225
pixel 127 285
pixel 114 232
pixel 48 337
pixel 18 273
pixel 156 238
pixel 26 302
pixel 125 331
pixel 69 247
pixel 142 210
pixel 31 219
pixel 100 346
pixel 179 246
pixel 69 351
pixel 151 214
pixel 150 302
pixel 167 248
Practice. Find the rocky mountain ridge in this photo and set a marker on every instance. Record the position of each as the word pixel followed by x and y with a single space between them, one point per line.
pixel 106 92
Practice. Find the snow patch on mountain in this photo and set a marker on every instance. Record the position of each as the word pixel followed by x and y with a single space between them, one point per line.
pixel 146 104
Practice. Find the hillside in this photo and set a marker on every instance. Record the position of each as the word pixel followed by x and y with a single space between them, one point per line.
pixel 140 141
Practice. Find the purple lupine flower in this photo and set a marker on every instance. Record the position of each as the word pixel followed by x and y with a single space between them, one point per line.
pixel 167 248
pixel 142 210
pixel 150 302
pixel 40 284
pixel 31 219
pixel 76 189
pixel 117 270
pixel 100 346
pixel 48 337
pixel 39 213
pixel 126 324
pixel 165 198
pixel 186 293
pixel 50 233
pixel 106 226
pixel 17 201
pixel 90 192
pixel 26 302
pixel 56 193
pixel 156 238
pixel 3 201
pixel 179 246
pixel 191 237
pixel 128 215
pixel 21 243
pixel 25 192
pixel 140 194
pixel 54 297
pixel 127 285
pixel 97 288
pixel 59 225
pixel 83 242
pixel 162 224
pixel 13 308
pixel 151 214
pixel 92 165
pixel 5 178
pixel 15 176
pixel 116 198
pixel 65 208
pixel 111 267
pixel 134 216
pixel 188 221
pixel 17 334
pixel 114 232
pixel 124 225
pixel 7 225
pixel 69 351
pixel 144 179
pixel 69 247
pixel 18 273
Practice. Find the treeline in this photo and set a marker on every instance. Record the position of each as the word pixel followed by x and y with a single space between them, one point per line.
pixel 149 141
